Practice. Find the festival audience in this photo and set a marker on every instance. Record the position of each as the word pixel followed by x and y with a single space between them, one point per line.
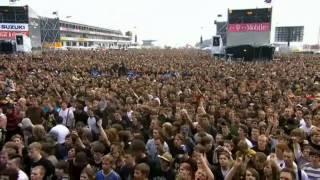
pixel 159 115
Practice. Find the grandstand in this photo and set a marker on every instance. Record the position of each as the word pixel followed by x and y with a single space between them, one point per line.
pixel 81 35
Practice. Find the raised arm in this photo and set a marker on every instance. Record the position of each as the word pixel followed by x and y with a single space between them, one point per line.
pixel 206 168
pixel 78 140
pixel 296 148
pixel 103 134
pixel 236 166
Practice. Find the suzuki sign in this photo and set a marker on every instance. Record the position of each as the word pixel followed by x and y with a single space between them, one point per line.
pixel 14 27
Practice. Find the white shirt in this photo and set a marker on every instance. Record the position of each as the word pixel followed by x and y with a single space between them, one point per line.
pixel 307 129
pixel 92 124
pixel 22 175
pixel 302 122
pixel 313 173
pixel 250 145
pixel 67 113
pixel 224 173
pixel 281 164
pixel 60 131
pixel 86 109
pixel 129 114
pixel 72 108
pixel 304 176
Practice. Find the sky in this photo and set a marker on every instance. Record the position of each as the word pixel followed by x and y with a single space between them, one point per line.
pixel 175 22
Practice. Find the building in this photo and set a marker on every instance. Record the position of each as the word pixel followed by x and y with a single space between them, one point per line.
pixel 54 33
pixel 81 35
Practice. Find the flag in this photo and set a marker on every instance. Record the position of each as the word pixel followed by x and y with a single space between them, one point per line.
pixel 55 12
pixel 267 1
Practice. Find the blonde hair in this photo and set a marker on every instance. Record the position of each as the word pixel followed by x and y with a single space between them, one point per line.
pixel 35 145
pixel 38 132
pixel 143 168
pixel 108 158
pixel 41 169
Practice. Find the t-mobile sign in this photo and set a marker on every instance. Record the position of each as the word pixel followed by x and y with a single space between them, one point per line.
pixel 249 27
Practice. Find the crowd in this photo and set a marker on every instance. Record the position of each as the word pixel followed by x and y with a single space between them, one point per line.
pixel 159 115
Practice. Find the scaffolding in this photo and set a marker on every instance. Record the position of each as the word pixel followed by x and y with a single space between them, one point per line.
pixel 50 33
pixel 222 30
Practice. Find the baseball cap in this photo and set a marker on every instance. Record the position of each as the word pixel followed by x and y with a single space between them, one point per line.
pixel 167 157
pixel 25 123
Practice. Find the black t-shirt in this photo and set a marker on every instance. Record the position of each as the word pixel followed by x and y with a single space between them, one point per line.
pixel 266 151
pixel 94 165
pixel 75 171
pixel 81 116
pixel 162 175
pixel 288 124
pixel 126 172
pixel 217 172
pixel 50 170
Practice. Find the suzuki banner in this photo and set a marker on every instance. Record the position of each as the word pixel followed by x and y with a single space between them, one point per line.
pixel 13 27
pixel 249 27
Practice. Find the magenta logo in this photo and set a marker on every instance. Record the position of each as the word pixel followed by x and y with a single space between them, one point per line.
pixel 249 27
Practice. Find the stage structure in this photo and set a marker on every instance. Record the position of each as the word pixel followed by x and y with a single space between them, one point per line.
pixel 20 20
pixel 222 27
pixel 248 34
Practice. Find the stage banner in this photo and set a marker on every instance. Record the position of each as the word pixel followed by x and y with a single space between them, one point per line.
pixel 249 27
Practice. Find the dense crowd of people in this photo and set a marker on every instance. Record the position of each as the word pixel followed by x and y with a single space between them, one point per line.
pixel 159 115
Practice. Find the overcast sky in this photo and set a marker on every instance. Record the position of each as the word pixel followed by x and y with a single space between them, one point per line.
pixel 175 22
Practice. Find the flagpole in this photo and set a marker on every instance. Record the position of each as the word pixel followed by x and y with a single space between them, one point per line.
pixel 319 37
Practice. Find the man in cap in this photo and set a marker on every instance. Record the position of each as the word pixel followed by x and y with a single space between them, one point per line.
pixel 165 170
pixel 26 128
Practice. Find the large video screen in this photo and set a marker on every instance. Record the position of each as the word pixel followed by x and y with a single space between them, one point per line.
pixel 289 33
pixel 14 14
pixel 249 27
pixel 245 16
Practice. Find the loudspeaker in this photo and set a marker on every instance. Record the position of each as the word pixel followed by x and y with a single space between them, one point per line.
pixel 216 41
pixel 19 39
pixel 6 47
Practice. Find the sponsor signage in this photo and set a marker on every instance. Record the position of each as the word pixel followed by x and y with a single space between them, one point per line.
pixel 11 34
pixel 13 27
pixel 249 27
